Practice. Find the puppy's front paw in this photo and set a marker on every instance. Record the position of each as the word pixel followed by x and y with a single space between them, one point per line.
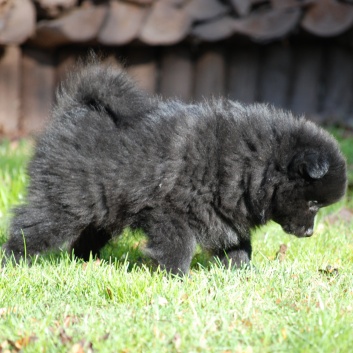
pixel 236 259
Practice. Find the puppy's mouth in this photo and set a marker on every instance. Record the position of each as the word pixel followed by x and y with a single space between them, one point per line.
pixel 300 232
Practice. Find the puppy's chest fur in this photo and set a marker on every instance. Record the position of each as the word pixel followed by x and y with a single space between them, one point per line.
pixel 197 208
pixel 187 179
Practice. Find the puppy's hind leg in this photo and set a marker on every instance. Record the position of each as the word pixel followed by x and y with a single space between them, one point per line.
pixel 90 241
pixel 170 242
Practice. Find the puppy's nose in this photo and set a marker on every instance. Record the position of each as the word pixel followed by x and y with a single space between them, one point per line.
pixel 309 232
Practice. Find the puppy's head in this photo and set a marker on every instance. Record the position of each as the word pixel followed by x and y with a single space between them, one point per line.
pixel 315 178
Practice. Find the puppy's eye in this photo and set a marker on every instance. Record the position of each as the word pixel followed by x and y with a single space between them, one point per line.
pixel 313 206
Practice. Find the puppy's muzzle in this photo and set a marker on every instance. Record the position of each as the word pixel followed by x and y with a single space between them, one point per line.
pixel 309 232
pixel 300 232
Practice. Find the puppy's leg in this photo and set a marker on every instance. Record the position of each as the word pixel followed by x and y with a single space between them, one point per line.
pixel 38 228
pixel 90 241
pixel 171 243
pixel 238 256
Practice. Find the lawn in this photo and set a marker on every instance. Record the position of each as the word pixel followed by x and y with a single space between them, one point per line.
pixel 297 298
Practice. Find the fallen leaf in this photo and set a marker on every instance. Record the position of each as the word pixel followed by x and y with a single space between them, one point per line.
pixel 64 337
pixel 246 322
pixel 69 320
pixel 281 253
pixel 183 298
pixel 10 346
pixel 177 341
pixel 77 348
pixel 88 346
pixel 24 341
pixel 4 345
pixel 110 293
pixel 105 337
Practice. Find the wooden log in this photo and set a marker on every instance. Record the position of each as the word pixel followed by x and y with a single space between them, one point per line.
pixel 142 67
pixel 141 2
pixel 210 74
pixel 38 82
pixel 53 8
pixel 79 25
pixel 176 76
pixel 268 24
pixel 122 24
pixel 243 74
pixel 337 100
pixel 204 10
pixel 242 7
pixel 306 81
pixel 286 4
pixel 115 56
pixel 10 73
pixel 215 30
pixel 66 59
pixel 328 18
pixel 275 75
pixel 19 22
pixel 165 24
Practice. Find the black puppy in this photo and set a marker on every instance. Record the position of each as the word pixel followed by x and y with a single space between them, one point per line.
pixel 114 157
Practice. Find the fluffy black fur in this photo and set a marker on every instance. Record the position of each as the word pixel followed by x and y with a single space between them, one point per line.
pixel 208 173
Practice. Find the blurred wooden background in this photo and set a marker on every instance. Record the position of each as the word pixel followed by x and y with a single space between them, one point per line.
pixel 295 54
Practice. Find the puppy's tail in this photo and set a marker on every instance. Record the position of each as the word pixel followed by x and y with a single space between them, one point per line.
pixel 100 87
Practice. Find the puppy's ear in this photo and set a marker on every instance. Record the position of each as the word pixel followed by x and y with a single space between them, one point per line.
pixel 312 164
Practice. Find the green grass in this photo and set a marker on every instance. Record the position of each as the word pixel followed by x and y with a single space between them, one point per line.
pixel 120 304
pixel 346 141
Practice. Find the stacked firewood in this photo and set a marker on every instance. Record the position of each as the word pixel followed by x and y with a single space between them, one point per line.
pixel 187 49
pixel 51 23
